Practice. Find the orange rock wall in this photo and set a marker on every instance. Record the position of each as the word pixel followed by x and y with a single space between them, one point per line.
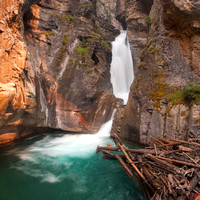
pixel 44 80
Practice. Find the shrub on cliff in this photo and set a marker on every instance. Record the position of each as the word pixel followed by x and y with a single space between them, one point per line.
pixel 188 96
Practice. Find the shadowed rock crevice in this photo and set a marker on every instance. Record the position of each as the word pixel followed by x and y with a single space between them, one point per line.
pixel 95 58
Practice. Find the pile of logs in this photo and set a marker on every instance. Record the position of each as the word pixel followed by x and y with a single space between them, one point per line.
pixel 168 170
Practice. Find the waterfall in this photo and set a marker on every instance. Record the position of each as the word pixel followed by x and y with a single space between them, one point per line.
pixel 121 67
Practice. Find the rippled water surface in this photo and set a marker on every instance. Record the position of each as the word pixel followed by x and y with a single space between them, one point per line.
pixel 62 166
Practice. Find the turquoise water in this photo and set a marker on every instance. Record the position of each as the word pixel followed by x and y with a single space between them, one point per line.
pixel 63 166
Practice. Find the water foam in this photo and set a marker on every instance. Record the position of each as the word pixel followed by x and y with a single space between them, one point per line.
pixel 50 158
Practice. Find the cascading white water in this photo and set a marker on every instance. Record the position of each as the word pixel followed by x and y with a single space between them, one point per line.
pixel 121 67
pixel 52 152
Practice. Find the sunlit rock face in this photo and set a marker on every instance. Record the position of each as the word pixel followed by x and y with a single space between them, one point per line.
pixel 17 82
pixel 54 65
pixel 164 38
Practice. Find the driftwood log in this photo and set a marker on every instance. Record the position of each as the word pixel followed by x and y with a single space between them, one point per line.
pixel 169 169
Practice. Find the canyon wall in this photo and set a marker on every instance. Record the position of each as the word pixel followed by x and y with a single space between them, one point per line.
pixel 54 65
pixel 55 60
pixel 164 37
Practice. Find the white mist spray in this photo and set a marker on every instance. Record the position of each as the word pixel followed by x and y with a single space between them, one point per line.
pixel 121 67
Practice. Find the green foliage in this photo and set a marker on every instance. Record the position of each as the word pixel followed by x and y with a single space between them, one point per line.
pixel 148 19
pixel 189 96
pixel 83 54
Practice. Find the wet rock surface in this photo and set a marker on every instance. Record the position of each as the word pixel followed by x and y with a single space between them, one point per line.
pixel 164 42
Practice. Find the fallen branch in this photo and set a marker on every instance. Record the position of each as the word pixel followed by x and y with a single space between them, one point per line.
pixel 169 169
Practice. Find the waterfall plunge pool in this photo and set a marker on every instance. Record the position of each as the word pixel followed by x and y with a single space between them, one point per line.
pixel 63 166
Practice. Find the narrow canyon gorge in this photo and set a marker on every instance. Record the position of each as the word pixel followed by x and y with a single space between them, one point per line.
pixel 75 72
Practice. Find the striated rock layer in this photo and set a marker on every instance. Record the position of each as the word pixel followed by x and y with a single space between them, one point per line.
pixel 54 65
pixel 164 37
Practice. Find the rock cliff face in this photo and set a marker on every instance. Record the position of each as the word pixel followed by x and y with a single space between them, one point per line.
pixel 54 65
pixel 164 37
pixel 55 60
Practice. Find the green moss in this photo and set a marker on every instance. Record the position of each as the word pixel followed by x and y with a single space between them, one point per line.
pixel 142 54
pixel 49 33
pixel 74 90
pixel 159 93
pixel 68 75
pixel 142 64
pixel 83 56
pixel 82 51
pixel 136 85
pixel 151 40
pixel 158 106
pixel 98 37
pixel 148 19
pixel 105 45
pixel 65 39
pixel 151 47
pixel 189 96
pixel 169 108
pixel 53 15
pixel 162 62
pixel 159 89
pixel 68 19
pixel 153 51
